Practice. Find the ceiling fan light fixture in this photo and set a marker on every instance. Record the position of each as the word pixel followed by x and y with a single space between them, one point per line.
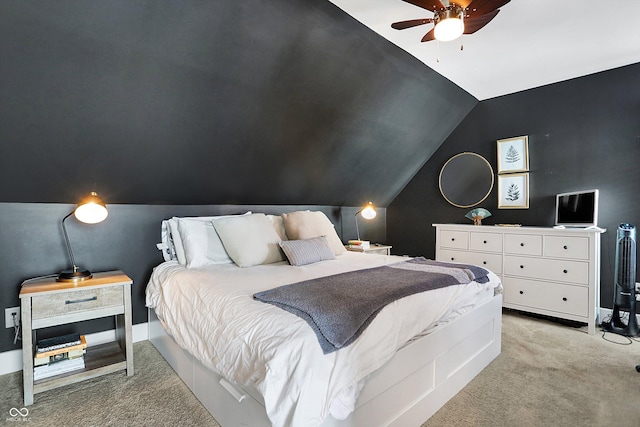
pixel 449 24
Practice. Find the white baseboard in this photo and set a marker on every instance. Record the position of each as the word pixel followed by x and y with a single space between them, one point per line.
pixel 11 361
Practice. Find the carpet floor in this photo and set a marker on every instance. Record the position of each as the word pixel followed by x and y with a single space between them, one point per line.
pixel 548 374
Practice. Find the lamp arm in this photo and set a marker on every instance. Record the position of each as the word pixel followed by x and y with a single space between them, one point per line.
pixel 356 218
pixel 66 239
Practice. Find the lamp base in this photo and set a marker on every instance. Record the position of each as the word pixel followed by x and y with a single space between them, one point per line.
pixel 74 275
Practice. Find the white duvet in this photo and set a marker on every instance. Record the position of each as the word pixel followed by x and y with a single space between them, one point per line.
pixel 211 313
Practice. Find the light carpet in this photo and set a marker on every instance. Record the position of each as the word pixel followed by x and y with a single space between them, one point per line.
pixel 548 374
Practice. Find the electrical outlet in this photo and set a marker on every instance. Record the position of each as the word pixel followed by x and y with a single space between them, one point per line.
pixel 8 316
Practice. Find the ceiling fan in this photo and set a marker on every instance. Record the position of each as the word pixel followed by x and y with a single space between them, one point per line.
pixel 453 18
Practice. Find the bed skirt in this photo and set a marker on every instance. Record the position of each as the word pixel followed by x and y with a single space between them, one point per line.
pixel 407 390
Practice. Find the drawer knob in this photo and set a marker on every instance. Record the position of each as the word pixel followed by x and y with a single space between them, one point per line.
pixel 522 266
pixel 564 298
pixel 485 242
pixel 452 258
pixel 77 301
pixel 521 244
pixel 521 292
pixel 565 271
pixel 484 262
pixel 565 247
pixel 453 239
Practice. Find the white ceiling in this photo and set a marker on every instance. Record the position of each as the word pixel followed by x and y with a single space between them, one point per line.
pixel 530 43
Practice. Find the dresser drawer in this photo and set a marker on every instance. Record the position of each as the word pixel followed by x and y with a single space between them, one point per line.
pixel 491 262
pixel 490 242
pixel 563 299
pixel 566 247
pixel 454 239
pixel 547 269
pixel 523 244
pixel 76 301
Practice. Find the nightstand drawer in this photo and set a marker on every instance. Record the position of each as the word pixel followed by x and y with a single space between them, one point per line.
pixel 76 301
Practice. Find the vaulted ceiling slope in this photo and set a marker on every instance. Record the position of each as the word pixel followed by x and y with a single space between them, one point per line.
pixel 530 43
pixel 191 102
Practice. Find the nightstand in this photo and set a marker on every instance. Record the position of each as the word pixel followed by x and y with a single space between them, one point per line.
pixel 373 249
pixel 46 302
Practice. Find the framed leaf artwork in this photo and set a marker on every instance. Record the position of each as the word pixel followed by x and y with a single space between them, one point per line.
pixel 513 191
pixel 513 155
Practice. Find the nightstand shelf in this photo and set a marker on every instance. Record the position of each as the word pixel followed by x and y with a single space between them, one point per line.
pixel 99 360
pixel 45 303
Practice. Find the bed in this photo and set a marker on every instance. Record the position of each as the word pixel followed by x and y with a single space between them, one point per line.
pixel 253 363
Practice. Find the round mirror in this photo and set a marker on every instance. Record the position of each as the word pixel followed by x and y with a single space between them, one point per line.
pixel 466 180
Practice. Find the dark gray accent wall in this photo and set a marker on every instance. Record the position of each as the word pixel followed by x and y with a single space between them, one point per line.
pixel 583 134
pixel 33 245
pixel 210 102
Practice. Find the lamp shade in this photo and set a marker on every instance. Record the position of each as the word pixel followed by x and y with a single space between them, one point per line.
pixel 90 210
pixel 449 24
pixel 367 212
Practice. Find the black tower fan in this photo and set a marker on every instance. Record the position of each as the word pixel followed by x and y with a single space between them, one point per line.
pixel 624 294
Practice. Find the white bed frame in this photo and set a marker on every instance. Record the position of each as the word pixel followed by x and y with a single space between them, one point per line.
pixel 406 391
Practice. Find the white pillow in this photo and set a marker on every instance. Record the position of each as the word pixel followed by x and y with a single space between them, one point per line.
pixel 249 239
pixel 198 243
pixel 278 224
pixel 302 225
pixel 309 251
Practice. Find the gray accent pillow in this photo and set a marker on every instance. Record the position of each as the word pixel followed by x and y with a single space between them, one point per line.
pixel 303 252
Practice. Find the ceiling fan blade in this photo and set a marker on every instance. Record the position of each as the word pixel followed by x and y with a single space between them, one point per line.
pixel 472 25
pixel 481 7
pixel 427 4
pixel 429 36
pixel 411 23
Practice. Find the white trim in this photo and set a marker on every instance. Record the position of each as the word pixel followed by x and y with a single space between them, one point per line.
pixel 11 361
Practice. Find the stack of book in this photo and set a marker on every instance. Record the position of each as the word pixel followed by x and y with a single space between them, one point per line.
pixel 59 355
pixel 359 244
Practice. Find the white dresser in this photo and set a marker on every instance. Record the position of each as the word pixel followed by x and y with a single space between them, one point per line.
pixel 555 272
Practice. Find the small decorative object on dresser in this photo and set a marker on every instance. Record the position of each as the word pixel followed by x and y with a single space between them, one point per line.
pixel 477 215
pixel 554 272
pixel 46 302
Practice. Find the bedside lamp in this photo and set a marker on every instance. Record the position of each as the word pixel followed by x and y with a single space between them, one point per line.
pixel 90 210
pixel 367 212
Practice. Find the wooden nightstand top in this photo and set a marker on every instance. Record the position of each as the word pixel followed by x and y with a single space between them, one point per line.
pixel 50 285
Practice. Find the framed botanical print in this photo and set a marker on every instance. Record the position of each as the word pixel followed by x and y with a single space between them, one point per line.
pixel 513 155
pixel 513 191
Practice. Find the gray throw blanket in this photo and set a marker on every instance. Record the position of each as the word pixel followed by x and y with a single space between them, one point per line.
pixel 339 308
